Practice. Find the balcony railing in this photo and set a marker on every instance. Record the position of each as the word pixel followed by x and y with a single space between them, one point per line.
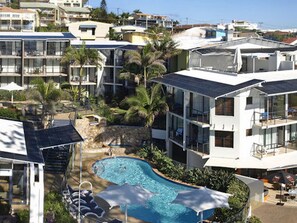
pixel 277 117
pixel 177 109
pixel 198 146
pixel 196 115
pixel 273 149
pixel 177 135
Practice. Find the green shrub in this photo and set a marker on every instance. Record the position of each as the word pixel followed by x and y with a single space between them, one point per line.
pixel 9 113
pixel 254 219
pixel 53 202
pixel 221 180
pixel 23 216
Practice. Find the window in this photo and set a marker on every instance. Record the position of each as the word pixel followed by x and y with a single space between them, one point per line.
pixel 249 100
pixel 224 139
pixel 249 132
pixel 225 106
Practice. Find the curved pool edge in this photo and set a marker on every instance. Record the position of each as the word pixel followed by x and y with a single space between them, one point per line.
pixel 156 171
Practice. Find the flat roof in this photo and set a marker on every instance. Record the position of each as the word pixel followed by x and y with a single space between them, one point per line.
pixel 37 5
pixel 105 44
pixel 56 136
pixel 12 137
pixel 18 142
pixel 36 35
pixel 204 87
pixel 215 84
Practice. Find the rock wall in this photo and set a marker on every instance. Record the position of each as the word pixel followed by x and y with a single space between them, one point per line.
pixel 99 135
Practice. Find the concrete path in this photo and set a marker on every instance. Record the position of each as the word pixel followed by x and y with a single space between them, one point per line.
pixel 272 213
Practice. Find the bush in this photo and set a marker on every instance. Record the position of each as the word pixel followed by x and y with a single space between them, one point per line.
pixel 53 202
pixel 254 219
pixel 23 216
pixel 9 113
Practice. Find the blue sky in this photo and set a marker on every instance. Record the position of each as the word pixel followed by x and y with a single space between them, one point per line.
pixel 272 14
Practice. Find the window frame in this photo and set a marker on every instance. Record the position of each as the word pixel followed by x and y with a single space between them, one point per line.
pixel 223 108
pixel 224 139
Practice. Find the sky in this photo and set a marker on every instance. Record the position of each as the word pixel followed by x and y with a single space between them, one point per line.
pixel 269 14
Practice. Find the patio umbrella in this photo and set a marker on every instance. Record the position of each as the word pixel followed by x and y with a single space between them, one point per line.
pixel 124 195
pixel 237 62
pixel 12 87
pixel 202 199
pixel 281 178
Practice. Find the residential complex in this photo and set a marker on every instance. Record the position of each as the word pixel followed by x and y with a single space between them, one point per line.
pixel 150 20
pixel 240 118
pixel 25 56
pixel 17 19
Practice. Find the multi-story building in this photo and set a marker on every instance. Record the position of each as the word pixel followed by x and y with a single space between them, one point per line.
pixel 90 30
pixel 105 81
pixel 49 13
pixel 16 19
pixel 24 56
pixel 235 118
pixel 46 13
pixel 149 20
pixel 73 14
pixel 68 3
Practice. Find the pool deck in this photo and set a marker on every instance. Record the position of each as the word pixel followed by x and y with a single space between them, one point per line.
pixel 53 182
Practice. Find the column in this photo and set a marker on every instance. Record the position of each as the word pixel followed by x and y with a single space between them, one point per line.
pixel 185 130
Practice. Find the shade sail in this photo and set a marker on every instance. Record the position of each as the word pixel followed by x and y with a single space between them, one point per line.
pixel 202 199
pixel 124 195
pixel 12 87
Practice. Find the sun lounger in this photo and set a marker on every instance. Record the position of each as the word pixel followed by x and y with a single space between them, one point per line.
pixel 97 212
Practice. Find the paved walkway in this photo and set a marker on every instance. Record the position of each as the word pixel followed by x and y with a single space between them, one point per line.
pixel 272 213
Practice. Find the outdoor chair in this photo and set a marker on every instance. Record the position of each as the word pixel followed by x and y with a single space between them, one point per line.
pixel 97 212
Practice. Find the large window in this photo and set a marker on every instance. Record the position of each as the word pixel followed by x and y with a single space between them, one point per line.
pixel 224 139
pixel 225 106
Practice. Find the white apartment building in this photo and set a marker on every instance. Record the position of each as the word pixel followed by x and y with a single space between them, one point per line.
pixel 25 56
pixel 17 19
pixel 105 81
pixel 222 116
pixel 68 3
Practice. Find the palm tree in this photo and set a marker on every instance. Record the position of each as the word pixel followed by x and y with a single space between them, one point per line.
pixel 80 57
pixel 166 45
pixel 146 103
pixel 149 63
pixel 47 94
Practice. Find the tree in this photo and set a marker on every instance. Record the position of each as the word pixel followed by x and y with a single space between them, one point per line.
pixel 164 44
pixel 103 7
pixel 80 57
pixel 46 93
pixel 149 64
pixel 112 35
pixel 146 103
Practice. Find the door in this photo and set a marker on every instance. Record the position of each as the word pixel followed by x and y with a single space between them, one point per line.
pixel 280 136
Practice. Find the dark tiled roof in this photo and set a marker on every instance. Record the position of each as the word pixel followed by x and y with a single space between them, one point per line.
pixel 63 135
pixel 279 87
pixel 41 37
pixel 203 87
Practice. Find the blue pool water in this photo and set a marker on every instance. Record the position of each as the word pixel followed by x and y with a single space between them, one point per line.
pixel 159 208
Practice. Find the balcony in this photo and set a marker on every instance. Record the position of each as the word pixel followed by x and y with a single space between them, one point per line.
pixel 177 108
pixel 198 146
pixel 176 135
pixel 195 115
pixel 278 118
pixel 34 53
pixel 261 151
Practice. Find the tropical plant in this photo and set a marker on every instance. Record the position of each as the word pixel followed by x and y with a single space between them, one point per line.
pixel 148 64
pixel 80 57
pixel 53 203
pixel 112 35
pixel 164 44
pixel 9 113
pixel 147 103
pixel 23 216
pixel 46 93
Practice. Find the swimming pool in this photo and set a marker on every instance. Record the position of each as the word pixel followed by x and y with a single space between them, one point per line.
pixel 159 208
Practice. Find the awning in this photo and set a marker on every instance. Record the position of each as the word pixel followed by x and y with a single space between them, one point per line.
pixel 281 161
pixel 88 26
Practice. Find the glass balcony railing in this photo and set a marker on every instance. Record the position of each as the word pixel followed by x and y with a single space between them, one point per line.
pixel 196 115
pixel 201 146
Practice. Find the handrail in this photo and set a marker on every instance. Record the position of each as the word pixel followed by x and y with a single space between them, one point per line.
pixel 197 115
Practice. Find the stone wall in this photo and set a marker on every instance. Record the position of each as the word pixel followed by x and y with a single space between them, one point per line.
pixel 99 135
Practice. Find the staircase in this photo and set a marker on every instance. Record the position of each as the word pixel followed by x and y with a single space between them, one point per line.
pixel 56 159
